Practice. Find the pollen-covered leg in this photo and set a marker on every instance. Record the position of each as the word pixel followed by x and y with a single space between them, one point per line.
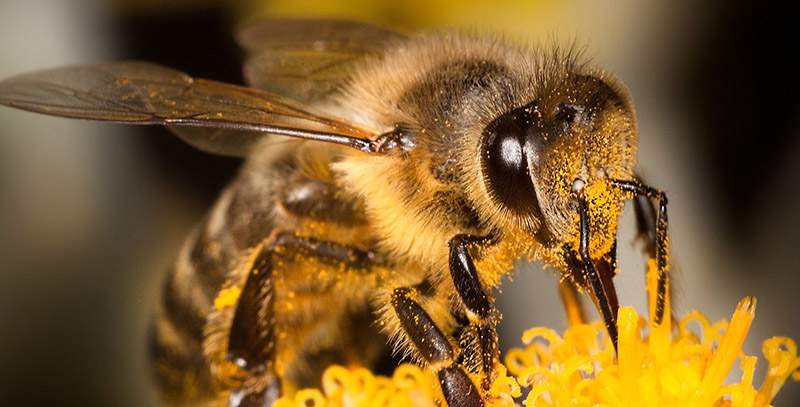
pixel 251 337
pixel 481 313
pixel 436 348
pixel 239 334
pixel 659 248
pixel 645 227
pixel 241 340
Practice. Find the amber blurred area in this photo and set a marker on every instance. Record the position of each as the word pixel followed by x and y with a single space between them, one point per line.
pixel 91 214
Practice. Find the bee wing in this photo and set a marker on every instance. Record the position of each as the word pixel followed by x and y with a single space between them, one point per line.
pixel 307 60
pixel 144 93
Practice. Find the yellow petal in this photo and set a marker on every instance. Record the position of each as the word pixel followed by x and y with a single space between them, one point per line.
pixel 729 349
pixel 630 353
pixel 781 355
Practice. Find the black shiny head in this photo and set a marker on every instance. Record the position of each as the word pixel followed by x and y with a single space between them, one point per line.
pixel 575 132
pixel 509 148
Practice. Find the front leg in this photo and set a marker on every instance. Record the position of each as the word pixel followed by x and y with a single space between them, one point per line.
pixel 479 305
pixel 657 245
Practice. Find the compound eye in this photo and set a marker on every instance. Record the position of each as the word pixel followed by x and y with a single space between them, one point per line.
pixel 505 161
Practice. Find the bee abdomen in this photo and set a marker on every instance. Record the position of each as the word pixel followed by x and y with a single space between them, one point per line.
pixel 181 370
pixel 177 362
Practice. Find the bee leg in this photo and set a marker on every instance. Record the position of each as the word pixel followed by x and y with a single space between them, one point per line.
pixel 645 228
pixel 661 252
pixel 436 348
pixel 480 305
pixel 603 292
pixel 251 338
pixel 246 364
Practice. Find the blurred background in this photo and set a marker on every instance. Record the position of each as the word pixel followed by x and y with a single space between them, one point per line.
pixel 91 215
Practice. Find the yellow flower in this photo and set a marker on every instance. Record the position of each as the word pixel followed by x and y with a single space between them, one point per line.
pixel 657 365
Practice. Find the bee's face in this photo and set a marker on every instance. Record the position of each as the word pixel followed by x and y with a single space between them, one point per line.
pixel 573 136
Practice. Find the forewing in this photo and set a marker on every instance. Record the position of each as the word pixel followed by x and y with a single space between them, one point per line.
pixel 308 60
pixel 144 93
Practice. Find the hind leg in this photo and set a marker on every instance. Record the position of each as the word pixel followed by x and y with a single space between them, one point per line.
pixel 253 339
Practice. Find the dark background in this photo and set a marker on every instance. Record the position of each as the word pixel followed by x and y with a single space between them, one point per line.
pixel 91 214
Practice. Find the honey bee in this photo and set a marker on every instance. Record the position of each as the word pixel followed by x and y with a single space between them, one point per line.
pixel 390 182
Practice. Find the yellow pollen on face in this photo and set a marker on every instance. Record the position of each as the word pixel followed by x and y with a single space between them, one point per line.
pixel 605 205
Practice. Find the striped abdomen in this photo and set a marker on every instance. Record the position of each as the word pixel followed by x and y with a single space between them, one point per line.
pixel 240 219
pixel 278 191
pixel 188 292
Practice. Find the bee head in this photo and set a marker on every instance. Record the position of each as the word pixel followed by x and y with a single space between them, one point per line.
pixel 572 138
